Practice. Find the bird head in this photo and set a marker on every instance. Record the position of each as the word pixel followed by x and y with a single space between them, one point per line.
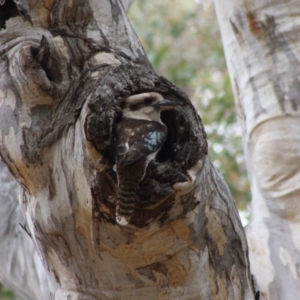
pixel 147 106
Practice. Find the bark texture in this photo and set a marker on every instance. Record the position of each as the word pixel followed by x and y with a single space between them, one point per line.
pixel 20 264
pixel 65 69
pixel 127 3
pixel 261 40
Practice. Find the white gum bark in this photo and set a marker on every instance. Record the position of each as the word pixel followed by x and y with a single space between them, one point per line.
pixel 262 47
pixel 126 4
pixel 20 265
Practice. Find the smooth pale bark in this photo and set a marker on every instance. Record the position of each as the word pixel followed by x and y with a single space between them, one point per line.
pixel 127 3
pixel 261 41
pixel 20 266
pixel 64 69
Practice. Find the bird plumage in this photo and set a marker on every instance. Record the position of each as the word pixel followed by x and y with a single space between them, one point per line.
pixel 137 139
pixel 140 135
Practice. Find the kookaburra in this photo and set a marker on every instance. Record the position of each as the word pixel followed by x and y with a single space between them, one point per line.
pixel 140 135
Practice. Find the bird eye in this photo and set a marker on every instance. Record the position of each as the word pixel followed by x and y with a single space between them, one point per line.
pixel 148 101
pixel 122 104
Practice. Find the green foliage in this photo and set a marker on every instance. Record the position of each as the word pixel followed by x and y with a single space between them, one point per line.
pixel 183 43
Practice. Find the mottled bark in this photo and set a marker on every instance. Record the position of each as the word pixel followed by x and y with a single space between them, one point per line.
pixel 20 264
pixel 261 40
pixel 65 69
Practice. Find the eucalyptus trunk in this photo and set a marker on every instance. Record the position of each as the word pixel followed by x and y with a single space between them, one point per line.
pixel 261 41
pixel 66 67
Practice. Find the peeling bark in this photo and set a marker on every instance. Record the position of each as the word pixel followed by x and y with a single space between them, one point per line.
pixel 261 44
pixel 64 74
pixel 20 263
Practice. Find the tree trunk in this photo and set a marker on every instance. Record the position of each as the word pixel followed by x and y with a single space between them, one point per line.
pixel 66 68
pixel 126 3
pixel 261 41
pixel 20 264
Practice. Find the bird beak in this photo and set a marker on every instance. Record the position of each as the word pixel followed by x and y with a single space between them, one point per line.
pixel 165 104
